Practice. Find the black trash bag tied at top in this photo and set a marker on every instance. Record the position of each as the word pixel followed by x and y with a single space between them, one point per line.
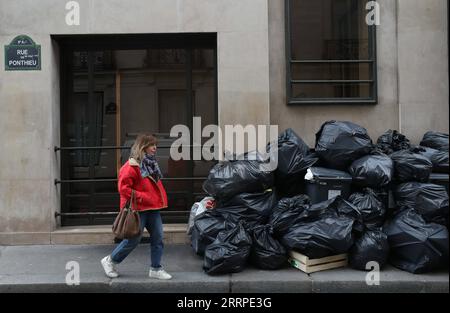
pixel 294 158
pixel 372 246
pixel 267 252
pixel 323 229
pixel 392 141
pixel 428 200
pixel 229 253
pixel 371 208
pixel 415 245
pixel 410 166
pixel 338 144
pixel 375 171
pixel 247 174
pixel 435 140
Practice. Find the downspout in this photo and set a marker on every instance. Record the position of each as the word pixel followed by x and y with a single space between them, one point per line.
pixel 400 128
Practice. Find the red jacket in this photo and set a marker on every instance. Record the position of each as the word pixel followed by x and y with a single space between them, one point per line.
pixel 150 195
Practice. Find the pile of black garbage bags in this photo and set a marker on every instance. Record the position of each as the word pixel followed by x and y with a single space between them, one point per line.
pixel 261 214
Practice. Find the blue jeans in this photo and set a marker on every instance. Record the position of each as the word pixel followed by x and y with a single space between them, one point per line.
pixel 152 221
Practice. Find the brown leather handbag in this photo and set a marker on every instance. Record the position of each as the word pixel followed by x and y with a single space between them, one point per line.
pixel 127 224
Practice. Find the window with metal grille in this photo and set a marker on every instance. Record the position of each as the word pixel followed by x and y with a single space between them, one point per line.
pixel 330 52
pixel 116 86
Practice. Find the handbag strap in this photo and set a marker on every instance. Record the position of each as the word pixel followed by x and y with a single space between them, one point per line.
pixel 133 200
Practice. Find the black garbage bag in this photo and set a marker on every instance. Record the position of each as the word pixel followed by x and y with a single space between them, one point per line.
pixel 294 158
pixel 341 143
pixel 373 246
pixel 392 141
pixel 267 252
pixel 251 208
pixel 371 208
pixel 229 252
pixel 257 205
pixel 383 196
pixel 229 178
pixel 323 237
pixel 429 200
pixel 374 171
pixel 334 221
pixel 416 246
pixel 286 212
pixel 207 226
pixel 320 162
pixel 241 214
pixel 438 158
pixel 334 207
pixel 410 166
pixel 290 143
pixel 435 140
pixel 440 162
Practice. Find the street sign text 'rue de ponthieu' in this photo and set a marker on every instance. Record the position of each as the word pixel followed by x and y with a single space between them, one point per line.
pixel 22 54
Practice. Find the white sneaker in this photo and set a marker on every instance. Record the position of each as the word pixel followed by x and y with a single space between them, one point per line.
pixel 159 274
pixel 109 267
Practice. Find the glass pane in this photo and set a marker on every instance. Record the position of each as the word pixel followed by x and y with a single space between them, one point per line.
pixel 153 92
pixel 331 90
pixel 153 98
pixel 88 116
pixel 329 30
pixel 330 71
pixel 204 107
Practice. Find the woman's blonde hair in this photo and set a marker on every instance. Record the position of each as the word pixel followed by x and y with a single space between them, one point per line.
pixel 143 141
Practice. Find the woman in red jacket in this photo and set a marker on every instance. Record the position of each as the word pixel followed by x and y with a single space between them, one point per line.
pixel 142 174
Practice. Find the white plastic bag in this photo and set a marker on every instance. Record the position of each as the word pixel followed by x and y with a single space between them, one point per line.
pixel 309 175
pixel 197 209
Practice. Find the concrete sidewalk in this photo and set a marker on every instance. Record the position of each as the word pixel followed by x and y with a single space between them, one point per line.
pixel 43 269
